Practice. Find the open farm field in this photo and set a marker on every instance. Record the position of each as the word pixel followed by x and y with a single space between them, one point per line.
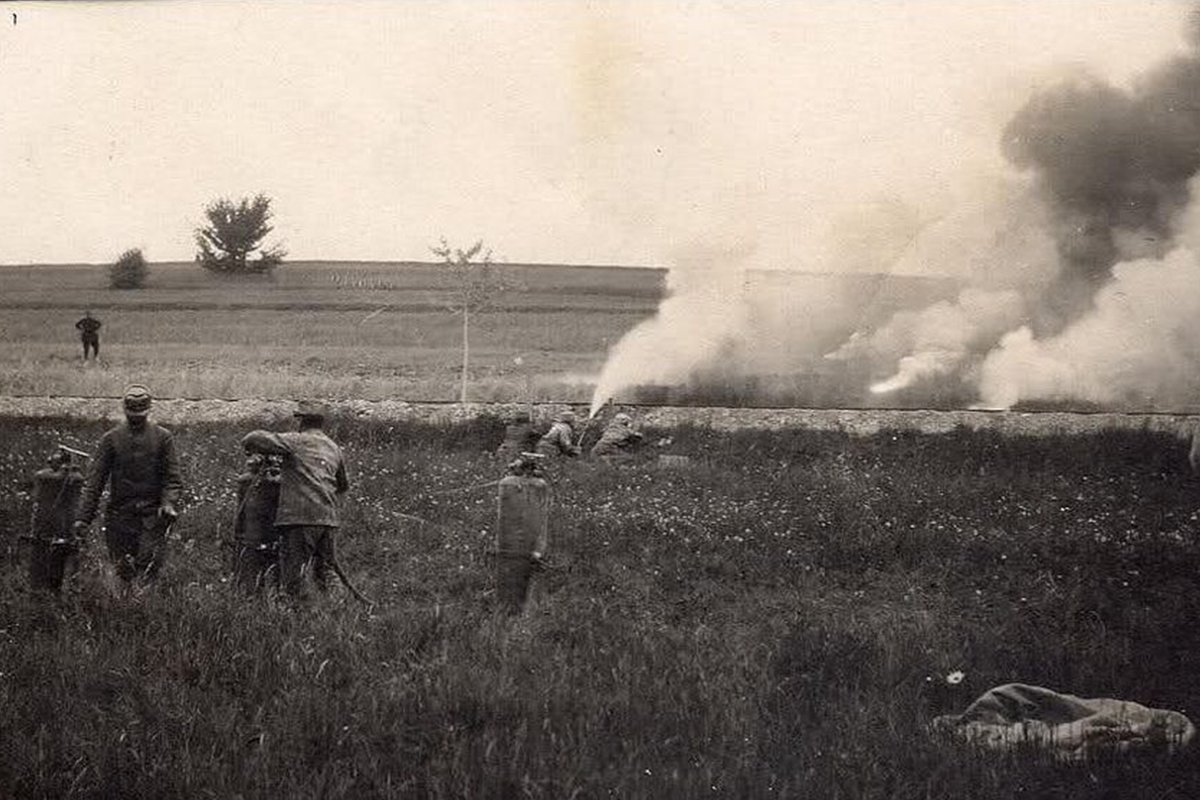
pixel 319 283
pixel 776 620
pixel 328 329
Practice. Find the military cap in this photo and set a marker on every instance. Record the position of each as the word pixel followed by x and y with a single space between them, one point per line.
pixel 311 408
pixel 136 400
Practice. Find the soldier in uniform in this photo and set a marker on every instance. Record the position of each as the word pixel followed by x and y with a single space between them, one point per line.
pixel 89 333
pixel 137 461
pixel 312 479
pixel 619 438
pixel 560 439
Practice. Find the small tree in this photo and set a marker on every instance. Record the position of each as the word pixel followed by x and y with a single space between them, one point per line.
pixel 477 286
pixel 129 271
pixel 234 232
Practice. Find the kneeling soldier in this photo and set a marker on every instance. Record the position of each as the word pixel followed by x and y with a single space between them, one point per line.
pixel 313 476
pixel 560 439
pixel 619 438
pixel 137 460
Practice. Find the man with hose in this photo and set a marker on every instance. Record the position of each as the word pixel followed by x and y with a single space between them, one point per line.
pixel 312 480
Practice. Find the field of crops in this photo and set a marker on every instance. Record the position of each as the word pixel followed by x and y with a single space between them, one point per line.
pixel 331 329
pixel 777 620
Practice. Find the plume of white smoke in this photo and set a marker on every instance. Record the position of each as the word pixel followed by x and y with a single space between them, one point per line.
pixel 691 328
pixel 1102 170
pixel 1114 324
pixel 995 240
pixel 942 337
pixel 1138 346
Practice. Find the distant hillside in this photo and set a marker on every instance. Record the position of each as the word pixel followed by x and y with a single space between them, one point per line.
pixel 299 284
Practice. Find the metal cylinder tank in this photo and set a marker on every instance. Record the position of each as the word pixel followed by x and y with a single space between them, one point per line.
pixel 522 528
pixel 55 497
pixel 256 546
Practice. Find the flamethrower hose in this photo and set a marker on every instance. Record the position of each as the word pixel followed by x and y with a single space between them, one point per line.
pixel 359 596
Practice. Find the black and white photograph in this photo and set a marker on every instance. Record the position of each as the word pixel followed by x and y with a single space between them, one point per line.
pixel 593 399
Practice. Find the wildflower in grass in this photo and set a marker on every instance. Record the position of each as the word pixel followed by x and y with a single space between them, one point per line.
pixel 955 678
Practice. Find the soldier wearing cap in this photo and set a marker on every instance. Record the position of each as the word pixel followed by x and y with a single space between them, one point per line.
pixel 312 479
pixel 137 461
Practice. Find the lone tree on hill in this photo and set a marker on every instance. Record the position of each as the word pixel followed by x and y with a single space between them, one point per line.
pixel 477 286
pixel 128 271
pixel 234 231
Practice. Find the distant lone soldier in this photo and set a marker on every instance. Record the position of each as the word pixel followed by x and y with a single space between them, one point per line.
pixel 89 333
pixel 137 460
pixel 519 437
pixel 312 479
pixel 559 440
pixel 618 439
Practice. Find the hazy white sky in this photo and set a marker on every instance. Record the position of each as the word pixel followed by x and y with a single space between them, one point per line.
pixel 557 131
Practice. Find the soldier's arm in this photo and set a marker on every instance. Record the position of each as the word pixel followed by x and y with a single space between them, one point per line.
pixel 1194 453
pixel 266 442
pixel 93 487
pixel 79 325
pixel 172 478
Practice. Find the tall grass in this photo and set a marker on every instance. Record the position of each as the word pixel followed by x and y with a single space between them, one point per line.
pixel 776 620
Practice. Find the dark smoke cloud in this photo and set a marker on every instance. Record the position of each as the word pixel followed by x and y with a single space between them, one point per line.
pixel 1113 165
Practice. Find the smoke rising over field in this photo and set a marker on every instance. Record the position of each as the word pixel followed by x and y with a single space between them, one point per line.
pixel 1118 323
pixel 1073 254
pixel 1138 343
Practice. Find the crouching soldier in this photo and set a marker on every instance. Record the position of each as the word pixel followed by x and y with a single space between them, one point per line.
pixel 619 439
pixel 137 460
pixel 560 439
pixel 312 479
pixel 519 437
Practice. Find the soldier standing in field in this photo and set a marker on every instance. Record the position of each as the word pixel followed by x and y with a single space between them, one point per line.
pixel 137 461
pixel 89 333
pixel 312 480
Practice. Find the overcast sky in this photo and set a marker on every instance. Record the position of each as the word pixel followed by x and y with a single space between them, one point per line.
pixel 557 131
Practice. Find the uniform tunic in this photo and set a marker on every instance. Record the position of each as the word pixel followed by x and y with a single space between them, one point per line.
pixel 618 438
pixel 557 441
pixel 142 470
pixel 141 466
pixel 314 473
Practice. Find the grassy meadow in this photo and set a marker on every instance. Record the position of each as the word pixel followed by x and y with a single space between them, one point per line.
pixel 776 620
pixel 333 329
